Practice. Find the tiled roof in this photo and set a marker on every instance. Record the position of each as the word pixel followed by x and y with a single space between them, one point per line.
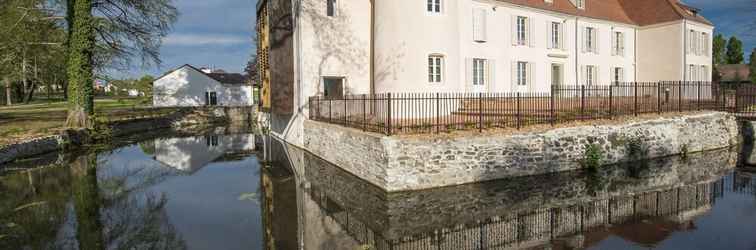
pixel 731 72
pixel 637 12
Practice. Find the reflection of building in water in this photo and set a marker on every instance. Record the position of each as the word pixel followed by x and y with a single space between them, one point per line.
pixel 744 183
pixel 190 154
pixel 566 209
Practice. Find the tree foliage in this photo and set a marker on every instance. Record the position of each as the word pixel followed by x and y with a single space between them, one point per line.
pixel 719 49
pixel 734 51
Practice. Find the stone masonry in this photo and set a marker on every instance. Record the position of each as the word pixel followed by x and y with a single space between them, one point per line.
pixel 399 163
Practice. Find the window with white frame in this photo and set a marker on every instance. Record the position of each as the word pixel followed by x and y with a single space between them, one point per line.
pixel 692 74
pixel 692 42
pixel 618 75
pixel 331 7
pixel 522 73
pixel 580 4
pixel 618 44
pixel 479 71
pixel 591 75
pixel 590 40
pixel 435 68
pixel 434 6
pixel 556 35
pixel 557 74
pixel 522 30
pixel 704 44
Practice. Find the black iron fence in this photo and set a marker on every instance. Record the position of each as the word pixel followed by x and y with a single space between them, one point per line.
pixel 402 113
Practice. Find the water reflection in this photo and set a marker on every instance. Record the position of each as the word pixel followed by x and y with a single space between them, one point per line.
pixel 641 204
pixel 199 195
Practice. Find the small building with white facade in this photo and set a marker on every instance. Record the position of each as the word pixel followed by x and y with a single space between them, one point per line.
pixel 188 86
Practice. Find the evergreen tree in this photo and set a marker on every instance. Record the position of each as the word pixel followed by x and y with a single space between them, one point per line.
pixel 718 50
pixel 81 47
pixel 734 51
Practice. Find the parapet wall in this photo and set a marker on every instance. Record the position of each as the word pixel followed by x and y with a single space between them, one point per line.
pixel 400 163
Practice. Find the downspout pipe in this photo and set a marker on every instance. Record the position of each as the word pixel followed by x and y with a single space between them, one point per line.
pixel 577 52
pixel 685 50
pixel 372 47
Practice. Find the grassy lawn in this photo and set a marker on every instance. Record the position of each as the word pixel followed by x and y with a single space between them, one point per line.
pixel 19 122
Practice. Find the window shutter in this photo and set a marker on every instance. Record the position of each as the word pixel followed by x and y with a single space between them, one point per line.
pixel 491 71
pixel 561 37
pixel 513 84
pixel 582 75
pixel 483 24
pixel 550 34
pixel 531 77
pixel 584 36
pixel 530 33
pixel 688 43
pixel 514 30
pixel 468 72
pixel 615 47
pixel 596 45
pixel 622 44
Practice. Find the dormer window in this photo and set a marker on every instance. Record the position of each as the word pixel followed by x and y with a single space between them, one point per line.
pixel 580 4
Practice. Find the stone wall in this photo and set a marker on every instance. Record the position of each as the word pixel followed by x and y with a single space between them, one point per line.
pixel 42 145
pixel 400 163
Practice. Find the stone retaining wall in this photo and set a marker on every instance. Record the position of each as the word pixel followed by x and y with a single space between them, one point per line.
pixel 400 163
pixel 43 145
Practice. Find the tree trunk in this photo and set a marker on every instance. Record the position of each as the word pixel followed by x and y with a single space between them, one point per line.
pixel 30 93
pixel 80 66
pixel 8 95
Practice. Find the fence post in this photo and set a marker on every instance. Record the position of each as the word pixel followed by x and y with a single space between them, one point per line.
pixel 388 122
pixel 698 102
pixel 635 97
pixel 330 112
pixel 679 96
pixel 480 112
pixel 518 110
pixel 658 97
pixel 582 101
pixel 364 111
pixel 438 113
pixel 611 102
pixel 346 112
pixel 551 113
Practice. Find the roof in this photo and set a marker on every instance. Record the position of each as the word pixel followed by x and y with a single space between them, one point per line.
pixel 228 78
pixel 730 72
pixel 635 12
pixel 225 78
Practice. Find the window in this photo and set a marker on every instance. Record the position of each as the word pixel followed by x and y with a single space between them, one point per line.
pixel 522 35
pixel 479 25
pixel 705 44
pixel 556 74
pixel 590 40
pixel 435 67
pixel 331 7
pixel 591 75
pixel 556 36
pixel 522 73
pixel 211 98
pixel 704 73
pixel 434 6
pixel 479 71
pixel 211 140
pixel 580 4
pixel 333 87
pixel 692 76
pixel 618 45
pixel 618 75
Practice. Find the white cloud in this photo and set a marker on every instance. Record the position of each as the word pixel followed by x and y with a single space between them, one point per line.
pixel 204 39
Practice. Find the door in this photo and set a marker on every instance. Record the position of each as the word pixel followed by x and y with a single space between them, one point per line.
pixel 556 74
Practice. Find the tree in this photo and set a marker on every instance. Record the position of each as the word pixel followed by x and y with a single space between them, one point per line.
pixel 752 66
pixel 81 45
pixel 718 50
pixel 734 51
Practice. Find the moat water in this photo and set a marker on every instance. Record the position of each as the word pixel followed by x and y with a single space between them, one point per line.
pixel 238 190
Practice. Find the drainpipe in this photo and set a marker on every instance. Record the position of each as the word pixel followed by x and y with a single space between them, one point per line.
pixel 685 50
pixel 577 51
pixel 635 54
pixel 372 47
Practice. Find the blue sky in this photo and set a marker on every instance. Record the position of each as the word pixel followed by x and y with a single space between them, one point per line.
pixel 217 33
pixel 208 33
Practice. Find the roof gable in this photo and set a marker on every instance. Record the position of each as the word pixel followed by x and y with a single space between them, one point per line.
pixel 225 78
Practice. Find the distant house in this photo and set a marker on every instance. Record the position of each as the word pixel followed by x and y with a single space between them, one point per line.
pixel 734 73
pixel 188 86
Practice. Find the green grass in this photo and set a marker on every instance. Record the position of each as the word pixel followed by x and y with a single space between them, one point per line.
pixel 23 121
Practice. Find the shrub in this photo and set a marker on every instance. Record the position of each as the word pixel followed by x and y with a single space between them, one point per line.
pixel 592 157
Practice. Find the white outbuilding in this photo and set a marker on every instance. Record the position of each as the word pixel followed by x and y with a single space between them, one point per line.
pixel 188 86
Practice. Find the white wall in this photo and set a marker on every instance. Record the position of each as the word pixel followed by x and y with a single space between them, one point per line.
pixel 660 52
pixel 407 34
pixel 186 87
